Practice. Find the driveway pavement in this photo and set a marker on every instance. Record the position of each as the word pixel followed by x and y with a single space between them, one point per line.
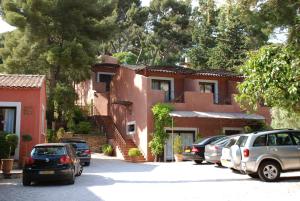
pixel 115 180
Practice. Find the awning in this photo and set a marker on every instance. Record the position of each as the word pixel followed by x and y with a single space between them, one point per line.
pixel 217 115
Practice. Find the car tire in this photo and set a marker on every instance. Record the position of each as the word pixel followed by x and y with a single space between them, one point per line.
pixel 26 180
pixel 198 161
pixel 253 175
pixel 72 179
pixel 87 163
pixel 269 171
pixel 80 171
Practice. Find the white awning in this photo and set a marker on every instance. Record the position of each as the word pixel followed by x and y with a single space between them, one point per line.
pixel 217 115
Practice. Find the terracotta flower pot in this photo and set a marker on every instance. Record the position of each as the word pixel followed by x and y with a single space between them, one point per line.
pixel 178 157
pixel 7 165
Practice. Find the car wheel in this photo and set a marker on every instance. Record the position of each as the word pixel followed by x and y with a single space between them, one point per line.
pixel 87 163
pixel 253 175
pixel 72 179
pixel 219 164
pixel 198 161
pixel 26 180
pixel 80 171
pixel 269 171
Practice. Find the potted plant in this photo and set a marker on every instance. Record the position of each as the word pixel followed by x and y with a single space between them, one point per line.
pixel 177 147
pixel 26 138
pixel 107 149
pixel 12 143
pixel 134 153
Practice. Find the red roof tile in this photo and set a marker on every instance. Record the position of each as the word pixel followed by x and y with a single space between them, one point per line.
pixel 21 81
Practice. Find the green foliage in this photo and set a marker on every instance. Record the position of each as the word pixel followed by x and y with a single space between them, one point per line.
pixel 162 119
pixel 254 126
pixel 12 143
pixel 58 39
pixel 126 57
pixel 107 149
pixel 51 136
pixel 199 137
pixel 84 127
pixel 4 148
pixel 222 36
pixel 272 77
pixel 134 152
pixel 177 145
pixel 60 133
pixel 26 138
pixel 285 119
pixel 64 98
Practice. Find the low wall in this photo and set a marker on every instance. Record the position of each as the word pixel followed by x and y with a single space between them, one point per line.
pixel 94 141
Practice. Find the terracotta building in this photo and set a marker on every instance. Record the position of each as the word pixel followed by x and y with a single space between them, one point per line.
pixel 23 108
pixel 203 102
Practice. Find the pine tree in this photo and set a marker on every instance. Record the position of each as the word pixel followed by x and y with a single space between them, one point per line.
pixel 56 38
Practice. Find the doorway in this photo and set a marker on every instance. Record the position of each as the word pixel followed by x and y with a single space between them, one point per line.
pixel 8 119
pixel 187 138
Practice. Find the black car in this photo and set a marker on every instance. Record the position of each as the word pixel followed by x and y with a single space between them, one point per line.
pixel 196 152
pixel 83 151
pixel 52 162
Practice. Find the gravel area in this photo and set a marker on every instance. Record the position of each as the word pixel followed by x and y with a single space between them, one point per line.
pixel 111 179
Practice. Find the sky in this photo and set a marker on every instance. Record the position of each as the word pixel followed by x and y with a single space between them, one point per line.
pixel 279 35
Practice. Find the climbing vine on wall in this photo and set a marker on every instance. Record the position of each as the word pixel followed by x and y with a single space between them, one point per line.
pixel 162 119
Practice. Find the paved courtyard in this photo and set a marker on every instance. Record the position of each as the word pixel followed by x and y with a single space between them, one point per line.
pixel 113 180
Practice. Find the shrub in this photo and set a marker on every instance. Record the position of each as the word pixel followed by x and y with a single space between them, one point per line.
pixel 84 127
pixel 177 145
pixel 107 149
pixel 51 136
pixel 4 148
pixel 133 152
pixel 60 133
pixel 12 142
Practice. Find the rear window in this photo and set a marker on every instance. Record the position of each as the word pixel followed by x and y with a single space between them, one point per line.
pixel 242 141
pixel 37 151
pixel 230 142
pixel 81 145
pixel 220 141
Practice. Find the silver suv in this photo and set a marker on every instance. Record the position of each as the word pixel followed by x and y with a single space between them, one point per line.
pixel 267 154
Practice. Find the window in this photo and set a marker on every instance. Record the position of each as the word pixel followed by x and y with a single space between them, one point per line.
pixel 163 85
pixel 232 130
pixel 8 119
pixel 131 128
pixel 206 87
pixel 209 87
pixel 105 78
pixel 242 141
pixel 296 137
pixel 280 139
pixel 260 141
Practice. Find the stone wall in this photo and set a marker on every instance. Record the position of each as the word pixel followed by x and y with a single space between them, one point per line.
pixel 94 141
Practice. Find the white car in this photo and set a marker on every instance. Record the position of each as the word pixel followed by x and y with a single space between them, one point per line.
pixel 229 151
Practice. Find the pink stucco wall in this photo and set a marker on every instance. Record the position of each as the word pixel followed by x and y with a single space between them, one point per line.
pixel 128 86
pixel 32 101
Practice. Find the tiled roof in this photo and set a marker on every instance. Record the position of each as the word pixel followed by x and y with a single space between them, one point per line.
pixel 189 71
pixel 169 69
pixel 21 81
pixel 217 73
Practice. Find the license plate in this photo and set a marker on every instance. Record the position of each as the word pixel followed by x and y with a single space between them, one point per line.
pixel 187 151
pixel 46 172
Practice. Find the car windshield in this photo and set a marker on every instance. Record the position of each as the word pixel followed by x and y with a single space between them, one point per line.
pixel 53 150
